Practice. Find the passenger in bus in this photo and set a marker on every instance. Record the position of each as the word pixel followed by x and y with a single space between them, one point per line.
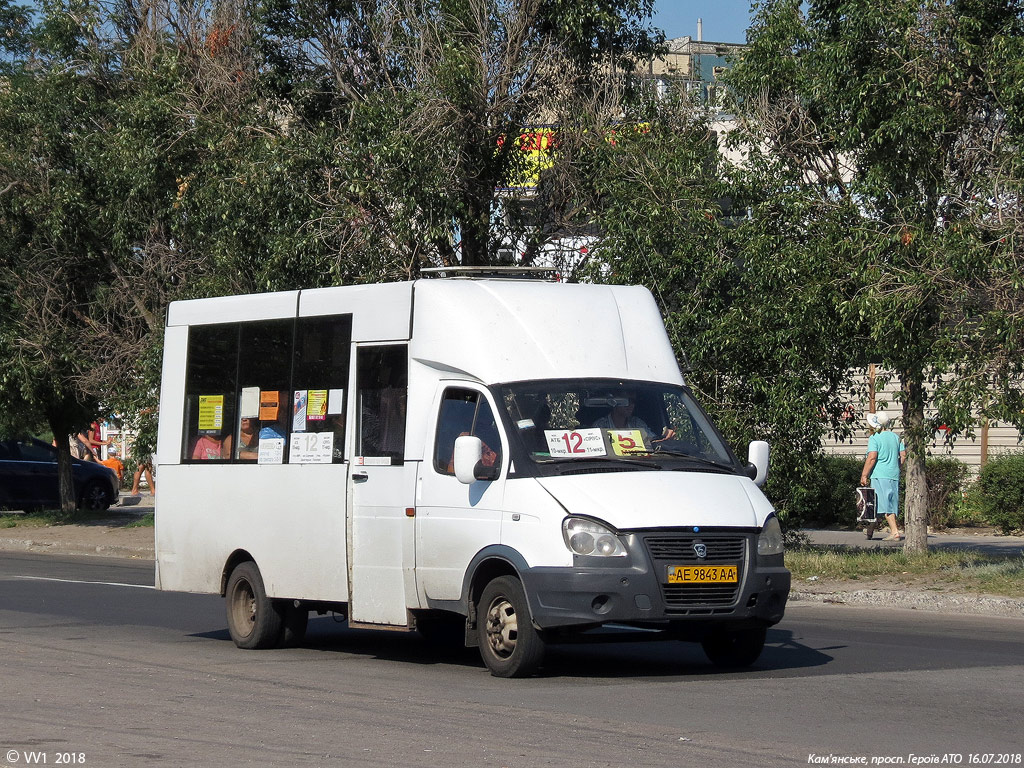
pixel 209 447
pixel 248 439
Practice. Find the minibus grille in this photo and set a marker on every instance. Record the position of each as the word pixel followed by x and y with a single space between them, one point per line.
pixel 676 550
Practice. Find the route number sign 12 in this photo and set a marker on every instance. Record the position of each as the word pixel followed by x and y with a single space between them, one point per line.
pixel 575 443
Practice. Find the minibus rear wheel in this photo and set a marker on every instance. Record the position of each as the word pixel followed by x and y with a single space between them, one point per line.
pixel 254 620
pixel 509 643
pixel 734 648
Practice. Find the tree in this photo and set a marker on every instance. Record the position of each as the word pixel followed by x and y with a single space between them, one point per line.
pixel 905 114
pixel 88 191
pixel 425 99
pixel 743 288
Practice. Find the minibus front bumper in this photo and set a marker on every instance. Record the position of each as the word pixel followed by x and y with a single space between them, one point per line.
pixel 635 589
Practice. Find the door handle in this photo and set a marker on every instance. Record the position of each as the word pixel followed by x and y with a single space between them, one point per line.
pixel 358 477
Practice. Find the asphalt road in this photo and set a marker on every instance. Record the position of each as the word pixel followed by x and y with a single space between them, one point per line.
pixel 98 669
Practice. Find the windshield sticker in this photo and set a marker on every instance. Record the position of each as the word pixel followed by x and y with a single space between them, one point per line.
pixel 577 443
pixel 627 442
pixel 525 424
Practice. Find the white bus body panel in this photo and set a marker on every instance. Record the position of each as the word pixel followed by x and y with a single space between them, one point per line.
pixel 382 544
pixel 497 332
pixel 379 312
pixel 233 309
pixel 172 395
pixel 660 499
pixel 291 519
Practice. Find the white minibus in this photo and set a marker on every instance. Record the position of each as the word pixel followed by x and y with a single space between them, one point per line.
pixel 520 460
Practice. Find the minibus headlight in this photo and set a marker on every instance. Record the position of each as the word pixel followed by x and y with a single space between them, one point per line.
pixel 586 537
pixel 769 542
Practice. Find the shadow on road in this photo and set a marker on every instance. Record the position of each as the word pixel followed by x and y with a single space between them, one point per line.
pixel 598 660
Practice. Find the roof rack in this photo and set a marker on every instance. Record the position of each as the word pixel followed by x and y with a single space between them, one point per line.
pixel 519 273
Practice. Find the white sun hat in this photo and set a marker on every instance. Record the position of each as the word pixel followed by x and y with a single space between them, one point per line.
pixel 878 420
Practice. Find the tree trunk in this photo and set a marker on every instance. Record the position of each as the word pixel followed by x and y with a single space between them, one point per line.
pixel 65 481
pixel 915 506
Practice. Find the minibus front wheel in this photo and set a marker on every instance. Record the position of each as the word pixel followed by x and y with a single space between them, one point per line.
pixel 509 644
pixel 254 620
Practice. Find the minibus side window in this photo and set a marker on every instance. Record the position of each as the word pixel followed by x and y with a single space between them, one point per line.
pixel 322 351
pixel 210 392
pixel 383 388
pixel 264 374
pixel 465 412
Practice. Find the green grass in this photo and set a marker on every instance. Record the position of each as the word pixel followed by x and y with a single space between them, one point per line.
pixel 961 571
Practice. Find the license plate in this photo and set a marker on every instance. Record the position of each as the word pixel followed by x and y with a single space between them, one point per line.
pixel 703 574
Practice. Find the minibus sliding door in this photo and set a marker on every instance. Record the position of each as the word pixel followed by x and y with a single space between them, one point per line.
pixel 382 487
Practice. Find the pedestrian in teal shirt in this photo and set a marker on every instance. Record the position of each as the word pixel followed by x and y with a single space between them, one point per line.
pixel 886 454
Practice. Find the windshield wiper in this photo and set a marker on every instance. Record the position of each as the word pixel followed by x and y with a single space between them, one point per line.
pixel 698 459
pixel 611 459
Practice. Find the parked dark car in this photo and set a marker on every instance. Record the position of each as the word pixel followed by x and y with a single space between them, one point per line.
pixel 28 478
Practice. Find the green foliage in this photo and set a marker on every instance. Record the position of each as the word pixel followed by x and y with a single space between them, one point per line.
pixel 947 483
pixel 821 492
pixel 892 129
pixel 1001 483
pixel 744 296
pixel 821 495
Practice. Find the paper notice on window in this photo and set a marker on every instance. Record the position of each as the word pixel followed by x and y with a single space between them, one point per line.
pixel 299 412
pixel 576 443
pixel 317 408
pixel 271 450
pixel 311 448
pixel 627 442
pixel 335 402
pixel 270 405
pixel 211 412
pixel 249 408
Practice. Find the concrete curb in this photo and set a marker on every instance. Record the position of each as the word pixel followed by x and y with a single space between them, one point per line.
pixel 935 602
pixel 70 548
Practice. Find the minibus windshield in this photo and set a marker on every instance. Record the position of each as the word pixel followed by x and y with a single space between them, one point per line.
pixel 630 423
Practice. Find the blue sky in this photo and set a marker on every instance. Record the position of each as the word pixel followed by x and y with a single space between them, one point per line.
pixel 725 21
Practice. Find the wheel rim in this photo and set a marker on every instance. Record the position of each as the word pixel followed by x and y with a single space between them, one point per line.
pixel 94 498
pixel 502 627
pixel 243 608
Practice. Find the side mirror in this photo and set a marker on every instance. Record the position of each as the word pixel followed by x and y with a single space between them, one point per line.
pixel 468 467
pixel 757 464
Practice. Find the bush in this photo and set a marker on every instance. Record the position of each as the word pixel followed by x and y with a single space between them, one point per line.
pixel 947 480
pixel 1002 491
pixel 822 495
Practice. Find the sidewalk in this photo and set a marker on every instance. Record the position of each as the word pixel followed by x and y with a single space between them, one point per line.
pixel 109 536
pixel 986 541
pixel 878 594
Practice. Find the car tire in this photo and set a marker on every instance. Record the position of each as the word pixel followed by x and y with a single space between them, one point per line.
pixel 509 643
pixel 94 497
pixel 734 648
pixel 254 621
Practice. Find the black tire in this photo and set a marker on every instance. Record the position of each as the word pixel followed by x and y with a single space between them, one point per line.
pixel 509 644
pixel 296 620
pixel 94 497
pixel 254 621
pixel 734 648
